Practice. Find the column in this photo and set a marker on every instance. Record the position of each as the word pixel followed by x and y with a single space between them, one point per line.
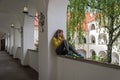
pixel 27 36
pixel 17 41
pixel 55 18
pixel 11 41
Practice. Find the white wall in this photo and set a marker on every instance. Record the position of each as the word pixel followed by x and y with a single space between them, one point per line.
pixel 47 55
pixel 28 36
pixel 6 41
pixel 33 59
pixel 11 41
pixel 17 42
pixel 77 70
pixel 56 20
pixel 52 67
pixel 19 53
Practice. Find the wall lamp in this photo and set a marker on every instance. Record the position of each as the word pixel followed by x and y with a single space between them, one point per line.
pixel 40 17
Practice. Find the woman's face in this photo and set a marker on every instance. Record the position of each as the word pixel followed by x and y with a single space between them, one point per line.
pixel 61 33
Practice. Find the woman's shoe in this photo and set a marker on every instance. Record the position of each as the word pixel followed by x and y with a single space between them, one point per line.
pixel 80 56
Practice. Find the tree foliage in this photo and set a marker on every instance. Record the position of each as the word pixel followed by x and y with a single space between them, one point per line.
pixel 108 15
pixel 76 8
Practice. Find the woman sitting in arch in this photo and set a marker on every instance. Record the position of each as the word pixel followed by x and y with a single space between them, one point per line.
pixel 61 46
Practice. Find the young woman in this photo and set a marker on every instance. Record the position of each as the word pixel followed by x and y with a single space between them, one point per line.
pixel 61 45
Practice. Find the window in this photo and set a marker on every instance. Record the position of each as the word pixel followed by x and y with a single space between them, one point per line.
pixel 92 27
pixel 36 32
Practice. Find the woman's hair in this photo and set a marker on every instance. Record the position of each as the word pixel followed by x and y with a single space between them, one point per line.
pixel 57 32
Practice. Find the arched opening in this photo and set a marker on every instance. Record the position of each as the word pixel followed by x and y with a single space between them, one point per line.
pixel 102 56
pixel 36 30
pixel 2 44
pixel 92 39
pixel 115 58
pixel 102 38
pixel 82 52
pixel 92 27
pixel 93 55
pixel 84 40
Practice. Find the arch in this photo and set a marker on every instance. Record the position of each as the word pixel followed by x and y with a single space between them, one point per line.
pixel 102 38
pixel 115 58
pixel 82 52
pixel 84 39
pixel 92 27
pixel 92 54
pixel 92 39
pixel 102 54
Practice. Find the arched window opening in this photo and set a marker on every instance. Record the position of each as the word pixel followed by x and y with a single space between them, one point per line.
pixel 93 27
pixel 82 52
pixel 102 56
pixel 84 40
pixel 92 39
pixel 36 24
pixel 93 55
pixel 115 58
pixel 102 38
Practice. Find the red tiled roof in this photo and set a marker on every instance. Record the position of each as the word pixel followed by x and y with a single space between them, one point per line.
pixel 89 18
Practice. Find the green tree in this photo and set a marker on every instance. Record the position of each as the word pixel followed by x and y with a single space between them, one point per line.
pixel 108 14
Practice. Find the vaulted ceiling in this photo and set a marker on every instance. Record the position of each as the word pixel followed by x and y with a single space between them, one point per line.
pixel 10 11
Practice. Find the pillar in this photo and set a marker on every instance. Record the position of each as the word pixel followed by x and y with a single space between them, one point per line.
pixel 11 41
pixel 17 41
pixel 55 18
pixel 27 36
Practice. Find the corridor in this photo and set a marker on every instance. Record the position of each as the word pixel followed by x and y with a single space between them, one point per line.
pixel 11 69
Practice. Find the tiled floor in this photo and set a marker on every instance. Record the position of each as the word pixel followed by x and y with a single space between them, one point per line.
pixel 11 69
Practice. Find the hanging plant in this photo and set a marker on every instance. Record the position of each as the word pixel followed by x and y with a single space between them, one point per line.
pixel 76 9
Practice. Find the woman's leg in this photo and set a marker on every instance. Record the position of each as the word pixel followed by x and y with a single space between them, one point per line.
pixel 62 48
pixel 75 51
pixel 66 45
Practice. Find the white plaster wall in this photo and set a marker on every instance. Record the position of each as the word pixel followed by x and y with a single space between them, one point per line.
pixel 41 6
pixel 53 68
pixel 11 41
pixel 56 20
pixel 98 48
pixel 77 70
pixel 28 37
pixel 7 41
pixel 33 60
pixel 19 53
pixel 17 42
pixel 47 56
